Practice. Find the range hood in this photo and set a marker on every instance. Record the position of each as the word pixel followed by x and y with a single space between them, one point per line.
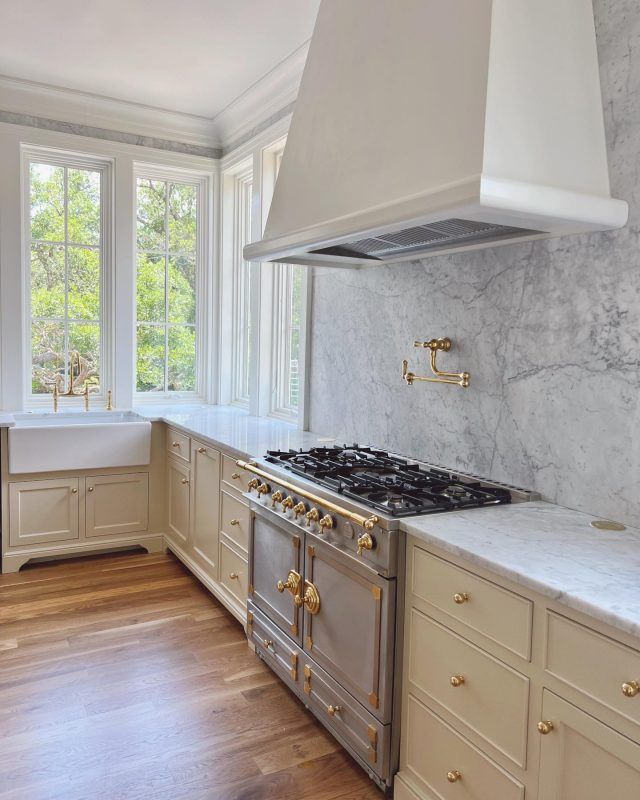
pixel 431 126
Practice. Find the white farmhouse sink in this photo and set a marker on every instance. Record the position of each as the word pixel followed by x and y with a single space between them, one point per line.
pixel 78 440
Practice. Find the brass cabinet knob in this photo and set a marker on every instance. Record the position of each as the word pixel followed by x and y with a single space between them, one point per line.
pixel 288 502
pixel 313 516
pixel 299 508
pixel 292 584
pixel 234 522
pixel 267 642
pixel 461 597
pixel 630 688
pixel 456 680
pixel 276 497
pixel 74 491
pixel 235 476
pixel 263 488
pixel 454 775
pixel 365 542
pixel 253 484
pixel 333 710
pixel 233 576
pixel 175 444
pixel 202 449
pixel 545 727
pixel 184 480
pixel 326 522
pixel 90 489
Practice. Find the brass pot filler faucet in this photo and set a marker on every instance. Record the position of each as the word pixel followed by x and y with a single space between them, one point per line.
pixel 434 345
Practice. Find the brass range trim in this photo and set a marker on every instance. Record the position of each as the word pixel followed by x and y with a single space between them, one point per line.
pixel 439 376
pixel 368 523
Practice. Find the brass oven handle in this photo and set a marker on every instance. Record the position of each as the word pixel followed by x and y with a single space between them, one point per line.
pixel 368 523
pixel 310 598
pixel 294 579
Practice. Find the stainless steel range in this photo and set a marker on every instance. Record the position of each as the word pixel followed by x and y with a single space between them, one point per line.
pixel 326 575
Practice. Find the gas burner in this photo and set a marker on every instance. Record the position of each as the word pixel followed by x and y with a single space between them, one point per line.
pixel 388 483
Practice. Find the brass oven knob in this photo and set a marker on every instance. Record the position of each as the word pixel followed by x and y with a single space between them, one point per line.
pixel 299 508
pixel 288 502
pixel 313 516
pixel 333 710
pixel 253 484
pixel 326 522
pixel 276 497
pixel 545 727
pixel 454 776
pixel 456 680
pixel 365 542
pixel 263 488
pixel 461 597
pixel 630 688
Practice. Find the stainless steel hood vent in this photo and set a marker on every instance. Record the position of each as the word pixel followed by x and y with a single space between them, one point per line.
pixel 426 238
pixel 430 126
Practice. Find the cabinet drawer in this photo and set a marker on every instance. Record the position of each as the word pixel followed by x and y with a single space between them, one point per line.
pixel 491 698
pixel 594 665
pixel 234 477
pixel 432 750
pixel 233 573
pixel 278 651
pixel 352 723
pixel 178 445
pixel 494 612
pixel 235 519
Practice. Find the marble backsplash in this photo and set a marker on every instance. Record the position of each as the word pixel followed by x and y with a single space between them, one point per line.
pixel 550 332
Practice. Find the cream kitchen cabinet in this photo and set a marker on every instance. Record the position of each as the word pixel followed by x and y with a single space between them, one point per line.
pixel 205 496
pixel 179 493
pixel 44 511
pixel 508 694
pixel 116 504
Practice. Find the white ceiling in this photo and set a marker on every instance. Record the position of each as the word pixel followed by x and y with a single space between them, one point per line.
pixel 188 56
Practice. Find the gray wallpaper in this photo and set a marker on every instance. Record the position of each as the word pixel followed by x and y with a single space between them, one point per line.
pixel 550 332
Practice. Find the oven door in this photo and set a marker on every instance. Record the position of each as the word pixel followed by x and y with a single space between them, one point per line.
pixel 275 569
pixel 349 621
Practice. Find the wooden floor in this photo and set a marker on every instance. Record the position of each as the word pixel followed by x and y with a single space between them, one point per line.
pixel 121 678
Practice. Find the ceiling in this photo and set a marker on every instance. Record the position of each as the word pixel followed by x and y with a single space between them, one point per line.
pixel 194 57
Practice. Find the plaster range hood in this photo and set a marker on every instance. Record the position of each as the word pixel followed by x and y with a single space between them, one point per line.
pixel 431 126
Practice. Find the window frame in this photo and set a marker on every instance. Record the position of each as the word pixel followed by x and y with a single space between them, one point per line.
pixel 72 160
pixel 204 280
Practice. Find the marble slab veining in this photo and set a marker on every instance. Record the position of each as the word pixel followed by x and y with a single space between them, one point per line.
pixel 549 549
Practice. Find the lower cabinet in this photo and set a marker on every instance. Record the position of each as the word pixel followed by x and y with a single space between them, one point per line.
pixel 117 504
pixel 44 511
pixel 583 759
pixel 179 510
pixel 205 471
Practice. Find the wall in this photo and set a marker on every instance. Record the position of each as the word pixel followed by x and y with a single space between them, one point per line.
pixel 550 332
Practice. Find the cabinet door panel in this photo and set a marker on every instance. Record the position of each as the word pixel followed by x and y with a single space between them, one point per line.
pixel 43 511
pixel 583 759
pixel 351 635
pixel 178 477
pixel 117 504
pixel 206 505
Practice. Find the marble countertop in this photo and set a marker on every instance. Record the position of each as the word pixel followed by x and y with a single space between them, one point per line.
pixel 549 549
pixel 233 429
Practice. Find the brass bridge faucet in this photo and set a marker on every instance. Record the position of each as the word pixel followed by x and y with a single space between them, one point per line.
pixel 71 392
pixel 434 345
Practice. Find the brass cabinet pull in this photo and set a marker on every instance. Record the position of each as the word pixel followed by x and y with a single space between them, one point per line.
pixel 292 584
pixel 461 597
pixel 267 643
pixel 630 688
pixel 313 516
pixel 90 489
pixel 263 488
pixel 202 449
pixel 175 444
pixel 545 727
pixel 456 680
pixel 233 576
pixel 454 776
pixel 276 497
pixel 235 476
pixel 234 522
pixel 184 480
pixel 333 710
pixel 326 522
pixel 365 542
pixel 311 598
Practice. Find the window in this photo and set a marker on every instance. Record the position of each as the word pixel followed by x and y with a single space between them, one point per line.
pixel 242 332
pixel 168 276
pixel 287 316
pixel 66 277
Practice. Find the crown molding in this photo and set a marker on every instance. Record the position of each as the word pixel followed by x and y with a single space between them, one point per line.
pixel 263 100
